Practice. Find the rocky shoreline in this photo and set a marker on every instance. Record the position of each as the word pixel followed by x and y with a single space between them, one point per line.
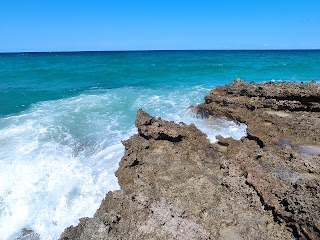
pixel 175 184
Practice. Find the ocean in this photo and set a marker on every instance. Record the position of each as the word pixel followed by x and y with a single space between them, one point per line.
pixel 63 116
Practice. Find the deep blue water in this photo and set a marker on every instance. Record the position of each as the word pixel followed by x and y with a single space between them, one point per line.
pixel 63 116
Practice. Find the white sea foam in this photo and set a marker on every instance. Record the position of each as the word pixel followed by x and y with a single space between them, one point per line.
pixel 175 106
pixel 57 160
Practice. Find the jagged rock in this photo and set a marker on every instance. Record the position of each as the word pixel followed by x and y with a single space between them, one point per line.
pixel 175 184
pixel 272 111
pixel 149 127
pixel 284 121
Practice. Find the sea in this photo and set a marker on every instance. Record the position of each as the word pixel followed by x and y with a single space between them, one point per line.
pixel 63 116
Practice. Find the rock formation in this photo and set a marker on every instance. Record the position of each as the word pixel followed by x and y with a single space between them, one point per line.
pixel 175 184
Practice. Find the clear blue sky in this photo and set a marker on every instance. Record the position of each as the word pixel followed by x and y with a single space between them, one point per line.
pixel 72 25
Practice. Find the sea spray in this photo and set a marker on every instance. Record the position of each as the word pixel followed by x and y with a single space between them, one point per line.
pixel 58 158
pixel 63 116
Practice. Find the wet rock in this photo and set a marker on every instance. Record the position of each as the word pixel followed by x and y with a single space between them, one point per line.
pixel 28 234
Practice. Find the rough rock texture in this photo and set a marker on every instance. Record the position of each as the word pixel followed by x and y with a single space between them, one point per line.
pixel 284 120
pixel 175 184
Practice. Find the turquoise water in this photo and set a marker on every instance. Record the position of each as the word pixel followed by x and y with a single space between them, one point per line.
pixel 30 78
pixel 63 116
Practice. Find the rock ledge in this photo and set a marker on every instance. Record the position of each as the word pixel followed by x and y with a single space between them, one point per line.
pixel 175 184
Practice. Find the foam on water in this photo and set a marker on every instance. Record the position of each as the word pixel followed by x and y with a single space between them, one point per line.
pixel 57 162
pixel 58 158
pixel 175 106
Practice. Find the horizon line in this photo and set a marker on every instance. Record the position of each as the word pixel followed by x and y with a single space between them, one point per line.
pixel 160 50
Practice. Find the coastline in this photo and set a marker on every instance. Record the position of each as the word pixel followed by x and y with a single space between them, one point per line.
pixel 175 184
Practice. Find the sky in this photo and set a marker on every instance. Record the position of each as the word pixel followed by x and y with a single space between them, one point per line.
pixel 97 25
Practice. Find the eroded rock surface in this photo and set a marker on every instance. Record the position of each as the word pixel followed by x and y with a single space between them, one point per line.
pixel 175 184
pixel 284 121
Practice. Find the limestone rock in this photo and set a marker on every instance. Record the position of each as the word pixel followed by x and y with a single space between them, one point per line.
pixel 175 184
